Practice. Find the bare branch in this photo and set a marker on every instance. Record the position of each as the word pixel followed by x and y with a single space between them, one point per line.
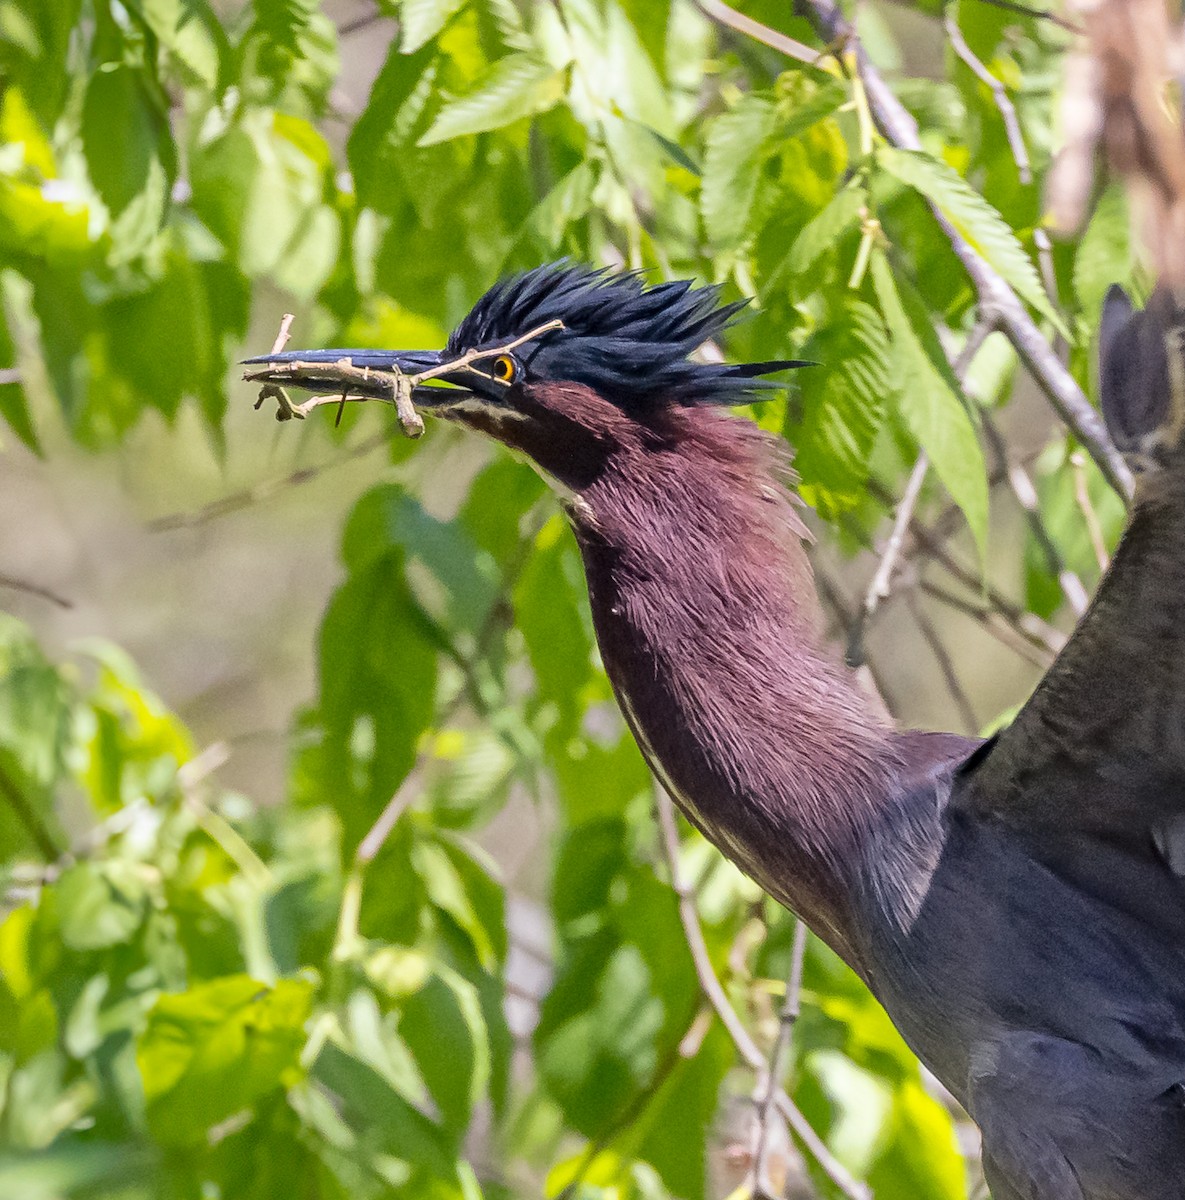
pixel 1003 102
pixel 993 623
pixel 263 491
pixel 34 589
pixel 1082 498
pixel 1038 14
pixel 1026 496
pixel 949 675
pixel 768 1087
pixel 717 11
pixel 878 589
pixel 716 997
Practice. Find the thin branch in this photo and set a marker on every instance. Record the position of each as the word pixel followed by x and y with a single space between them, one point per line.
pixel 950 676
pixel 778 1057
pixel 1082 497
pixel 1038 14
pixel 997 300
pixel 993 623
pixel 264 490
pixel 878 589
pixel 1025 492
pixel 716 997
pixel 1003 102
pixel 717 11
pixel 34 589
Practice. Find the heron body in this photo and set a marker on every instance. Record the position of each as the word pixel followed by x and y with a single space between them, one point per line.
pixel 1018 905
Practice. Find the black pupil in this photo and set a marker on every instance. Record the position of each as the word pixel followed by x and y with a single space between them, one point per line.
pixel 505 368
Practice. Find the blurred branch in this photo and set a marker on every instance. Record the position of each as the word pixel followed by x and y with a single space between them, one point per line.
pixel 998 303
pixel 263 491
pixel 714 993
pixel 722 14
pixel 993 623
pixel 1025 492
pixel 1003 102
pixel 768 1087
pixel 10 375
pixel 34 589
pixel 1082 497
pixel 1038 14
pixel 942 656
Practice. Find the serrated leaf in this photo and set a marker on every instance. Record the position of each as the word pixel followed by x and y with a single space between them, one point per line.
pixel 516 86
pixel 283 21
pixel 975 219
pixel 823 230
pixel 737 146
pixel 930 400
pixel 844 402
pixel 422 20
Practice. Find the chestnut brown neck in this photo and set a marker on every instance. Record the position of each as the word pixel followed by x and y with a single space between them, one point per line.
pixel 705 611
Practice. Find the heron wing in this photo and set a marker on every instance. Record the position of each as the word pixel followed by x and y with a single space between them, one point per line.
pixel 1099 749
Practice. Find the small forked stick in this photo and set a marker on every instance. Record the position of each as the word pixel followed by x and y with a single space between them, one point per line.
pixel 401 385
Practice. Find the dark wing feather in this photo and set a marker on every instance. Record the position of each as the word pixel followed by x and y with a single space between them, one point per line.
pixel 1099 749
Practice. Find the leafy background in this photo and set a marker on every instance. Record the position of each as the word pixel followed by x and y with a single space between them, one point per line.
pixel 213 983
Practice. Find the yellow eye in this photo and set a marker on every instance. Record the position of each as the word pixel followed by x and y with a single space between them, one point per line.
pixel 505 368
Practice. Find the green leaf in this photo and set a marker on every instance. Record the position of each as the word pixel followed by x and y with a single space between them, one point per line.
pixel 844 404
pixel 422 20
pixel 14 404
pixel 1104 254
pixel 738 143
pixel 126 139
pixel 100 904
pixel 516 86
pixel 445 1029
pixel 929 398
pixel 463 889
pixel 974 218
pixel 826 228
pixel 218 1048
pixel 284 21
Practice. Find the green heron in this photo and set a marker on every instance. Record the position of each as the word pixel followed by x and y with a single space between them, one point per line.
pixel 1017 905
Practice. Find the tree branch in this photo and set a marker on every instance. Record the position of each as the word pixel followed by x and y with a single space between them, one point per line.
pixel 716 997
pixel 997 301
pixel 1026 496
pixel 34 589
pixel 722 14
pixel 778 1055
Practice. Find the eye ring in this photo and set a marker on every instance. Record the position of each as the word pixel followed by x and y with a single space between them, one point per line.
pixel 504 369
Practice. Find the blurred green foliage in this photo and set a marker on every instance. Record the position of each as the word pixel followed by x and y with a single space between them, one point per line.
pixel 202 998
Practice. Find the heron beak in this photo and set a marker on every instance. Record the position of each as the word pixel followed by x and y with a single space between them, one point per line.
pixel 283 369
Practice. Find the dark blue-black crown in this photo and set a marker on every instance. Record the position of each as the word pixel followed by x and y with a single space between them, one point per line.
pixel 629 341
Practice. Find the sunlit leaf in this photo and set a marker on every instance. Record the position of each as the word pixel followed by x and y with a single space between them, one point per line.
pixel 216 1049
pixel 516 86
